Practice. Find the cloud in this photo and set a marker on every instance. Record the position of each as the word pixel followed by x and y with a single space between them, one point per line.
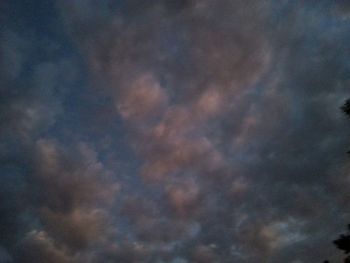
pixel 222 108
pixel 71 180
pixel 38 247
pixel 199 131
pixel 76 192
pixel 66 212
pixel 38 194
pixel 5 256
pixel 142 99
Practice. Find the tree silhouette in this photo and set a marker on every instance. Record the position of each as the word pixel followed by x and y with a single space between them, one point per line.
pixel 346 107
pixel 343 241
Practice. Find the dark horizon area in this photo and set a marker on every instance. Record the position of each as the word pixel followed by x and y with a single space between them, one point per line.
pixel 159 131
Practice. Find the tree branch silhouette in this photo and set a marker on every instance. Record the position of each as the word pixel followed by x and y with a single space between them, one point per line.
pixel 343 241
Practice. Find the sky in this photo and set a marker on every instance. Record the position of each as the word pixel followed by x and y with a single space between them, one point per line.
pixel 189 131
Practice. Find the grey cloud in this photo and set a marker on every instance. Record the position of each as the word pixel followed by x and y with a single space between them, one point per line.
pixel 5 257
pixel 32 94
pixel 76 191
pixel 38 247
pixel 68 196
pixel 232 111
pixel 268 88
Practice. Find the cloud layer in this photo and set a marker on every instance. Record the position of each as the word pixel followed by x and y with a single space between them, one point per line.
pixel 151 131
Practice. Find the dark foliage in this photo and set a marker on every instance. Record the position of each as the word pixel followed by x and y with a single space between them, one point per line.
pixel 343 241
pixel 346 107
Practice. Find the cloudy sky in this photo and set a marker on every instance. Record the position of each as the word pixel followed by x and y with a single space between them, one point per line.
pixel 159 131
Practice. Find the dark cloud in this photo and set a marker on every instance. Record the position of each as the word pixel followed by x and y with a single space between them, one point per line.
pixel 33 88
pixel 38 247
pixel 195 131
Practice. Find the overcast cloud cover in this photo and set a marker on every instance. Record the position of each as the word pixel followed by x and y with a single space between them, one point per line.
pixel 204 131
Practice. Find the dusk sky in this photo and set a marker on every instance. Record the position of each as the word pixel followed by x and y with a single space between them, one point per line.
pixel 163 131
